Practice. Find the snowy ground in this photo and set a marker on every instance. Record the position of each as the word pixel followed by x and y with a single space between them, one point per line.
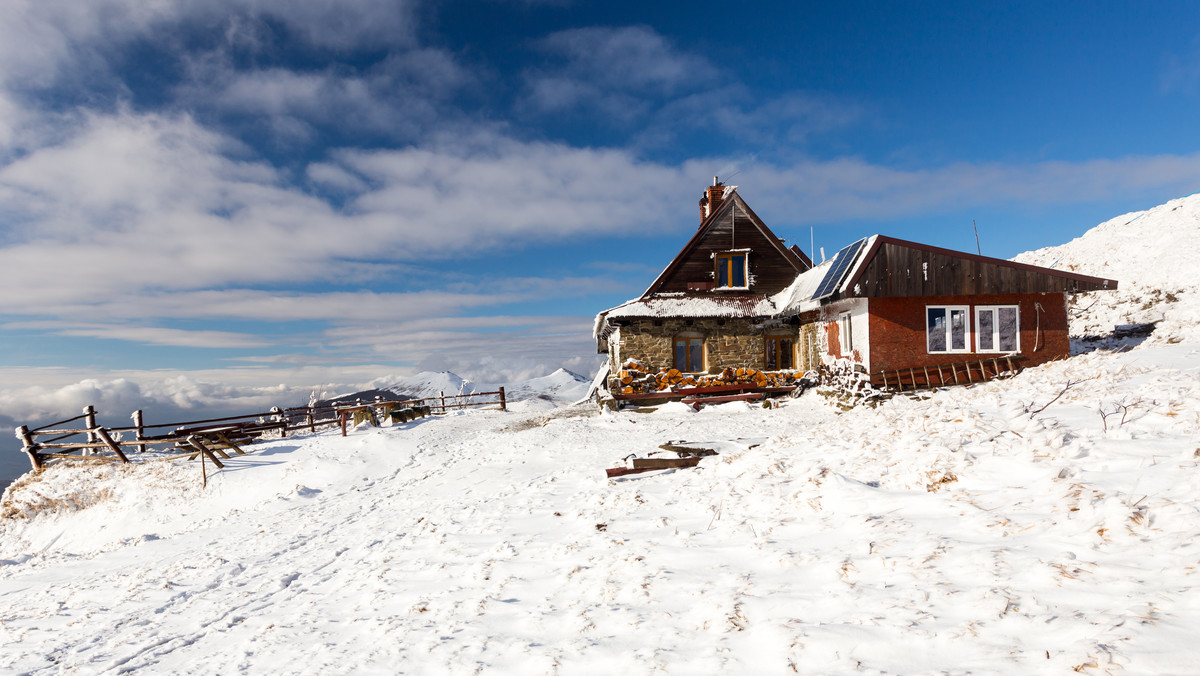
pixel 964 533
pixel 1042 524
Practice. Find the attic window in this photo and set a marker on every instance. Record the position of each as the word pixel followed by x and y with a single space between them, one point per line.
pixel 732 271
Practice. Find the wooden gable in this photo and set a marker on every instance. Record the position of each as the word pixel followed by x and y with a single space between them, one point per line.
pixel 896 268
pixel 733 226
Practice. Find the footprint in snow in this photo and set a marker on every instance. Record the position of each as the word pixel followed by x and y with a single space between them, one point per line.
pixel 306 492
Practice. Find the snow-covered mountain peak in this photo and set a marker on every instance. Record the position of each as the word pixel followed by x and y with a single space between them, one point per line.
pixel 555 389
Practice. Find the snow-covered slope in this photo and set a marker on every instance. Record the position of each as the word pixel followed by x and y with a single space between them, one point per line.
pixel 1020 526
pixel 1043 524
pixel 557 389
pixel 1155 257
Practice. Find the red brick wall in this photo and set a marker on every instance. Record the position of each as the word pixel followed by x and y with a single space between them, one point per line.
pixel 897 329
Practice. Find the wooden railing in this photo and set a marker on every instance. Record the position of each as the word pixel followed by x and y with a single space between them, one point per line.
pixel 213 436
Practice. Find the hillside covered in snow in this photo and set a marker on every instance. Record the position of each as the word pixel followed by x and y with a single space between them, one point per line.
pixel 1048 523
pixel 1153 255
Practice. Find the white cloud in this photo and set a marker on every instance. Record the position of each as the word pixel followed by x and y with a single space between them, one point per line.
pixel 400 97
pixel 152 216
pixel 145 335
pixel 38 40
pixel 633 77
pixel 627 58
pixel 34 396
pixel 845 189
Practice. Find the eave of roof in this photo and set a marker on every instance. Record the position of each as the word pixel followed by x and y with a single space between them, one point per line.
pixel 879 240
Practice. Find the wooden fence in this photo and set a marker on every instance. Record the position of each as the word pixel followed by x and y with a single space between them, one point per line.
pixel 80 438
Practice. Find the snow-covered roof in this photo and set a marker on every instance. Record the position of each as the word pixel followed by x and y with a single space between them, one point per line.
pixel 798 296
pixel 667 305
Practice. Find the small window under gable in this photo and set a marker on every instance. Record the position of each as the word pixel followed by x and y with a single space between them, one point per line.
pixel 733 269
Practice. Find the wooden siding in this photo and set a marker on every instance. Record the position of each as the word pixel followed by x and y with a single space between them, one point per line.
pixel 733 228
pixel 897 269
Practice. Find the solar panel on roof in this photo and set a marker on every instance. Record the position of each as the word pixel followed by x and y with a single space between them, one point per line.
pixel 836 273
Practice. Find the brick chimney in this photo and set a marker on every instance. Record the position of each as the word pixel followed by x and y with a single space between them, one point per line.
pixel 711 201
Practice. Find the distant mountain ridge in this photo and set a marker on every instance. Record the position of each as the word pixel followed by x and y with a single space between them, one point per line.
pixel 559 388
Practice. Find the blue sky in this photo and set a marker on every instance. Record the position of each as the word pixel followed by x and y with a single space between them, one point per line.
pixel 222 202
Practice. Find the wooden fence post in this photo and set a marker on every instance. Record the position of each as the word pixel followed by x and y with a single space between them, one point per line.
pixel 279 414
pixel 503 401
pixel 30 447
pixel 89 421
pixel 443 402
pixel 141 429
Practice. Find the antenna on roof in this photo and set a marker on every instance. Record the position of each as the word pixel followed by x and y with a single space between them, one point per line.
pixel 977 249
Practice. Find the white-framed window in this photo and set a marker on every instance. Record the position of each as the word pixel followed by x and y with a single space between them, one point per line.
pixel 846 333
pixel 947 328
pixel 997 328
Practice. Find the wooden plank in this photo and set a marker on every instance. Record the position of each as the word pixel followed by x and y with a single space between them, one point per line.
pixel 197 444
pixel 941 376
pixel 664 463
pixel 721 399
pixel 112 446
pixel 80 445
pixel 41 433
pixel 55 424
pixel 228 443
pixel 651 465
